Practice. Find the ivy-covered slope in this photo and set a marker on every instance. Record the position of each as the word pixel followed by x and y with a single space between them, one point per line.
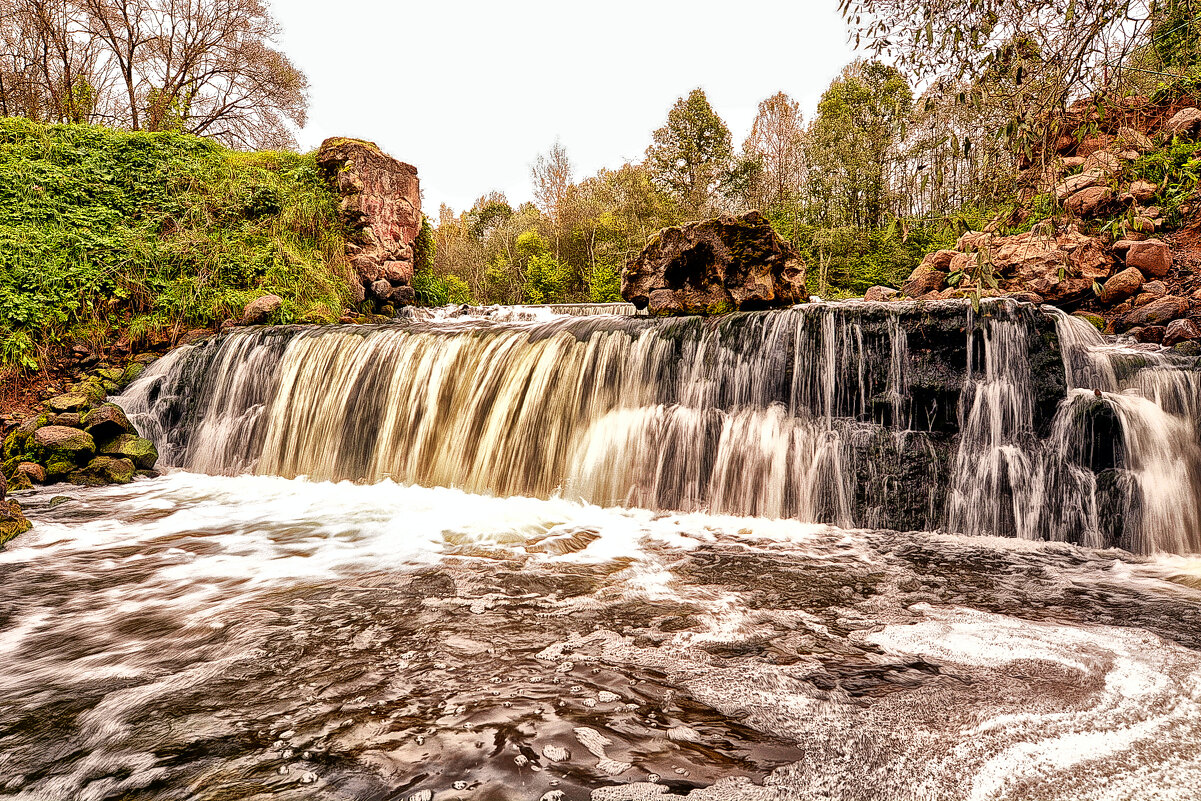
pixel 107 234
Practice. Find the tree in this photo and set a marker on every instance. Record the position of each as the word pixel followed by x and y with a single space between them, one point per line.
pixel 691 153
pixel 851 147
pixel 776 146
pixel 206 67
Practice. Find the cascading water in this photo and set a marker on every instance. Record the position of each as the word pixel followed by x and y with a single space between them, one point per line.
pixel 250 636
pixel 824 413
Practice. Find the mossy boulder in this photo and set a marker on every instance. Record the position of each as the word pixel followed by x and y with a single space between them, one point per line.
pixel 132 372
pixel 62 444
pixel 138 450
pixel 106 423
pixel 111 374
pixel 104 470
pixel 1096 320
pixel 17 443
pixel 69 402
pixel 12 520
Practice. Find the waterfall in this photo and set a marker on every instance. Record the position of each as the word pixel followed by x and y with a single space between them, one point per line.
pixel 904 415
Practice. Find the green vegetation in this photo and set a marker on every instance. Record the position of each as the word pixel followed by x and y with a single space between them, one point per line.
pixel 106 234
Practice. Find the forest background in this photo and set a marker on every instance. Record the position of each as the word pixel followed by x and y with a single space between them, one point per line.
pixel 147 187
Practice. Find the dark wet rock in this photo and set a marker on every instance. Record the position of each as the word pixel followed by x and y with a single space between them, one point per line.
pixel 130 446
pixel 104 470
pixel 712 266
pixel 107 422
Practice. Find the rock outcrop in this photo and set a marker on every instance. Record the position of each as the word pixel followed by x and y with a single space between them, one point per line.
pixel 381 204
pixel 713 266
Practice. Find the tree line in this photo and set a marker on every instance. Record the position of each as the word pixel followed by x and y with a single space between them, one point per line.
pixel 948 123
pixel 206 67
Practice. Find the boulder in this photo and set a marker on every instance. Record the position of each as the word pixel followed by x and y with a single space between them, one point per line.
pixel 1160 311
pixel 34 472
pixel 1096 320
pixel 1124 285
pixel 1152 257
pixel 12 520
pixel 1058 267
pixel 130 446
pixel 1181 331
pixel 1089 202
pixel 1143 191
pixel 878 294
pixel 259 310
pixel 923 280
pixel 1103 163
pixel 723 264
pixel 1183 122
pixel 1073 162
pixel 104 470
pixel 1076 183
pixel 62 444
pixel 972 242
pixel 1151 334
pixel 107 422
pixel 70 402
pixel 1132 139
pixel 1026 297
pixel 381 205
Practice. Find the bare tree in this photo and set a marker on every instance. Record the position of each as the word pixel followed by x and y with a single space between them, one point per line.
pixel 777 142
pixel 552 176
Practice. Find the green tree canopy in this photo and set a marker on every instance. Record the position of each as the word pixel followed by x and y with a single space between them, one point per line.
pixel 691 153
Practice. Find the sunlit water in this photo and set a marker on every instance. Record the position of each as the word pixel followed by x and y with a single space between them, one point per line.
pixel 198 637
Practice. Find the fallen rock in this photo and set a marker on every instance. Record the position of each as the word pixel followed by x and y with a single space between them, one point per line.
pixel 1181 331
pixel 923 280
pixel 1160 311
pixel 1151 334
pixel 1088 202
pixel 1132 139
pixel 12 520
pixel 1103 162
pixel 130 446
pixel 1076 183
pixel 259 310
pixel 34 472
pixel 1143 191
pixel 1152 257
pixel 70 402
pixel 1121 286
pixel 1185 121
pixel 59 443
pixel 712 266
pixel 878 294
pixel 107 422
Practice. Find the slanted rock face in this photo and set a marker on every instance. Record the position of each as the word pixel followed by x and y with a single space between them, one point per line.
pixel 712 266
pixel 381 203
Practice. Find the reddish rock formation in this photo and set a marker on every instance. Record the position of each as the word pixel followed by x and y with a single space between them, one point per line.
pixel 1152 257
pixel 725 264
pixel 1158 312
pixel 381 203
pixel 1122 286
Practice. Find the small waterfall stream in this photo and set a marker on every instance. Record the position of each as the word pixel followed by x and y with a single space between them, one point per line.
pixel 900 416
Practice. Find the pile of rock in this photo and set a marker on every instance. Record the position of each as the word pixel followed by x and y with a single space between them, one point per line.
pixel 79 438
pixel 12 520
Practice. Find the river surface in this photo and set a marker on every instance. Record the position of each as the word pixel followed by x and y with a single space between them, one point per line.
pixel 203 637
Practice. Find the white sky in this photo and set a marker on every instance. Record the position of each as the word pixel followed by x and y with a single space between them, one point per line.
pixel 471 92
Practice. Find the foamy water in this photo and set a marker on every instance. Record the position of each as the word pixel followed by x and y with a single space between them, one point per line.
pixel 210 637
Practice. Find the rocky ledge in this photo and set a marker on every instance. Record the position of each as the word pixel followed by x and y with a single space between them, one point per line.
pixel 76 437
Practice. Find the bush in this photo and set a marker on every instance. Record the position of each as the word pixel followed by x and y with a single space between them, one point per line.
pixel 106 233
